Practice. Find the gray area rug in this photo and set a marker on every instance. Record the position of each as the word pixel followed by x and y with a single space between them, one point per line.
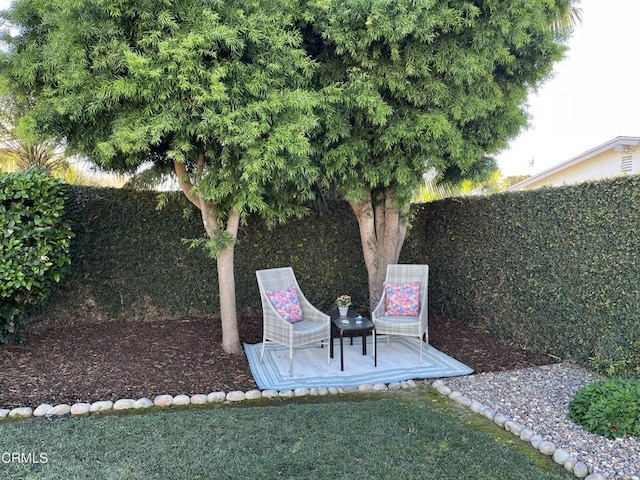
pixel 396 362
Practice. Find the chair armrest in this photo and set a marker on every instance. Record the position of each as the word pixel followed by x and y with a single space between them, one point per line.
pixel 380 307
pixel 312 314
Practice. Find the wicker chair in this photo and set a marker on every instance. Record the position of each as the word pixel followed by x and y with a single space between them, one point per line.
pixel 408 326
pixel 315 326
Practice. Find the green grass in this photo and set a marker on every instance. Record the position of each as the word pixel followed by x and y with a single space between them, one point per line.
pixel 374 437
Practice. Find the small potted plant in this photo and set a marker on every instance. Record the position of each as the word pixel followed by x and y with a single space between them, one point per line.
pixel 343 302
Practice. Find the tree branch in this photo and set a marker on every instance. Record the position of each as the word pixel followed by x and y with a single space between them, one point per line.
pixel 185 183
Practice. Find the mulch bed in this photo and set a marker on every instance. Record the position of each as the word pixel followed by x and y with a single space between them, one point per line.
pixel 117 360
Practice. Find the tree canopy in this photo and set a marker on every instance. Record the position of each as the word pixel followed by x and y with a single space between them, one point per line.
pixel 218 88
pixel 418 86
pixel 241 96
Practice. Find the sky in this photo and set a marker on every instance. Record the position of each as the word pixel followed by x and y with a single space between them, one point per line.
pixel 592 96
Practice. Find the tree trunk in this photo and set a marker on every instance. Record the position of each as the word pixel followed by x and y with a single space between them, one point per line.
pixel 227 289
pixel 383 228
pixel 224 261
pixel 226 277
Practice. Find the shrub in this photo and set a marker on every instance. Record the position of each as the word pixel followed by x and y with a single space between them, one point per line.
pixel 610 408
pixel 34 244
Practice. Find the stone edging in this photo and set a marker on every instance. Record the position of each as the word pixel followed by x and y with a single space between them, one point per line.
pixel 82 409
pixel 559 455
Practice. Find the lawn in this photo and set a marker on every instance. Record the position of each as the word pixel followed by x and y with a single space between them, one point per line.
pixel 414 435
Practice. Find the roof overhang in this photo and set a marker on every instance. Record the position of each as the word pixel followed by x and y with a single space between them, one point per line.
pixel 618 144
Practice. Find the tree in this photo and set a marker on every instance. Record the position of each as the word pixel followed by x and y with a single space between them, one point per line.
pixel 216 88
pixel 411 86
pixel 20 146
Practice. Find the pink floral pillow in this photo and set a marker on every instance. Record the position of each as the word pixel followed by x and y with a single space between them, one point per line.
pixel 402 299
pixel 286 303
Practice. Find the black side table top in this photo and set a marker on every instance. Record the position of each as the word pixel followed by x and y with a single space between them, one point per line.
pixel 351 326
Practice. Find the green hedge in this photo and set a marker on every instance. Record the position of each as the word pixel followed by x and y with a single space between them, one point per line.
pixel 554 269
pixel 129 260
pixel 34 244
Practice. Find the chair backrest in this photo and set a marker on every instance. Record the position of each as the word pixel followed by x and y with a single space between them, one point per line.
pixel 401 273
pixel 276 279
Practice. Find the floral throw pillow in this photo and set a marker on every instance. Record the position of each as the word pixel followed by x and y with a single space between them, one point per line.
pixel 286 303
pixel 402 299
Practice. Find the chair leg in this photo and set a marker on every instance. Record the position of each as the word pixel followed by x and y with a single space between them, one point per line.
pixel 291 361
pixel 421 342
pixel 328 356
pixel 264 342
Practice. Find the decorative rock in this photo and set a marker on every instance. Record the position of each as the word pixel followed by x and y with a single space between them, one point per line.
pixel 513 427
pixel 80 408
pixel 143 402
pixel 4 412
pixel 365 387
pixel 323 391
pixel 476 406
pixel 198 399
pixel 163 401
pixel 333 391
pixel 437 383
pixel 535 441
pixel 455 395
pixel 527 434
pixel 500 419
pixel 286 394
pixel 20 412
pixel 560 456
pixel 581 470
pixel 570 464
pixel 101 406
pixel 411 384
pixel 489 412
pixel 124 404
pixel 216 397
pixel 443 390
pixel 349 389
pixel 464 400
pixel 235 396
pixel 269 394
pixel 301 392
pixel 380 387
pixel 253 394
pixel 181 400
pixel 313 391
pixel 395 386
pixel 517 428
pixel 60 410
pixel 594 476
pixel 42 410
pixel 547 448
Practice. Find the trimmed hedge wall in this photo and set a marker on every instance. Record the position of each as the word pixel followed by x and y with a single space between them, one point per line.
pixel 556 270
pixel 129 260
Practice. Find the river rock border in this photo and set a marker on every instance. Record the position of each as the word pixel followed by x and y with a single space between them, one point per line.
pixel 560 456
pixel 82 409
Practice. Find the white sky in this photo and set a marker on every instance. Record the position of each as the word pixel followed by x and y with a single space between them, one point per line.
pixel 593 97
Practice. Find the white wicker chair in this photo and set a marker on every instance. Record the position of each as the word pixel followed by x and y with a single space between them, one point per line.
pixel 404 326
pixel 314 327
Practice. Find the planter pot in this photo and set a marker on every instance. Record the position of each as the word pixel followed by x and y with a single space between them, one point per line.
pixel 343 311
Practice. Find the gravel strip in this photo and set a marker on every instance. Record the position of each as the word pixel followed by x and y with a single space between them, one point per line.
pixel 538 398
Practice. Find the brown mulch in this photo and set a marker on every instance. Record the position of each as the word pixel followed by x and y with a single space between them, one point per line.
pixel 117 360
